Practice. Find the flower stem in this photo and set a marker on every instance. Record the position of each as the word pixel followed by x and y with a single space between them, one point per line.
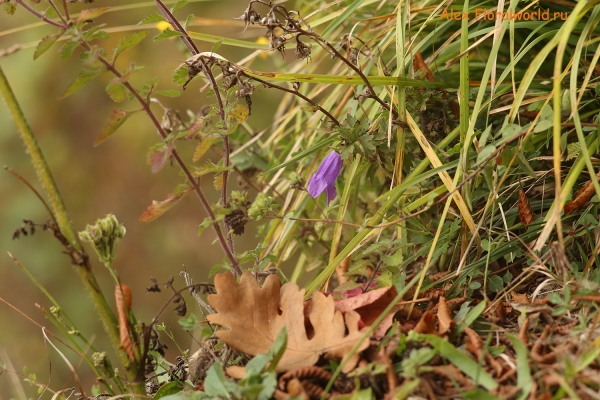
pixel 77 252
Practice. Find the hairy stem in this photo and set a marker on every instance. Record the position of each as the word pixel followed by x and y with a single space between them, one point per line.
pixel 78 254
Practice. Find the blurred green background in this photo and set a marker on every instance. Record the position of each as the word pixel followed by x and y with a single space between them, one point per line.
pixel 94 181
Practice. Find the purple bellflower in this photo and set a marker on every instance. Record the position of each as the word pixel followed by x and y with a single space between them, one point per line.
pixel 324 178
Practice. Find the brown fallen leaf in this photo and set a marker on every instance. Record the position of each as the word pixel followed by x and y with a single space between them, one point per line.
pixel 582 196
pixel 445 321
pixel 426 324
pixel 254 317
pixel 525 213
pixel 370 305
pixel 123 299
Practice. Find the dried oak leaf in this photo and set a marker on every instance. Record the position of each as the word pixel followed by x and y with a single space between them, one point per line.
pixel 370 305
pixel 254 316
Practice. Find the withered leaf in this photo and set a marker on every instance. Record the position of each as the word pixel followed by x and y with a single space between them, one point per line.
pixel 525 213
pixel 370 305
pixel 254 316
pixel 158 208
pixel 445 321
pixel 123 300
pixel 582 196
pixel 426 324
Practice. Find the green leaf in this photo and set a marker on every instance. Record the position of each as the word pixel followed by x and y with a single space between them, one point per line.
pixel 546 119
pixel 81 80
pixel 209 167
pixel 168 389
pixel 524 381
pixel 178 6
pixel 278 348
pixel 116 91
pixel 475 312
pixel 510 130
pixel 92 13
pixel 463 362
pixel 525 164
pixel 167 33
pixel 216 46
pixel 154 17
pixel 181 76
pixel 67 49
pixel 342 17
pixel 394 260
pixel 203 147
pixel 496 284
pixel 205 224
pixel 129 41
pixel 187 21
pixel 47 42
pixel 189 323
pixel 485 153
pixel 95 33
pixel 116 119
pixel 10 8
pixel 168 93
pixel 214 384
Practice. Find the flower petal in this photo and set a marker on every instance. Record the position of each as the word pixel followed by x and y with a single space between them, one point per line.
pixel 330 193
pixel 316 185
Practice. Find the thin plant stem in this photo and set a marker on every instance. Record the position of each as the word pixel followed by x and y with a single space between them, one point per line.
pixel 297 93
pixel 40 15
pixel 77 252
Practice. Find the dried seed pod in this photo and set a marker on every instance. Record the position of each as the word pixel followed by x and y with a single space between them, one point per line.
pixel 525 213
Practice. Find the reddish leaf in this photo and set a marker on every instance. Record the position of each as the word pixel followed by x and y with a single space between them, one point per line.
pixel 123 299
pixel 159 155
pixel 370 305
pixel 158 208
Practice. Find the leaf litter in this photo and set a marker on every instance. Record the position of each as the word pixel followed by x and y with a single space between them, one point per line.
pixel 517 347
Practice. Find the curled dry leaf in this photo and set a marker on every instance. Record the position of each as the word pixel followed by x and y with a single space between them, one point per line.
pixel 370 305
pixel 123 299
pixel 426 324
pixel 582 196
pixel 254 317
pixel 446 323
pixel 525 213
pixel 419 64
